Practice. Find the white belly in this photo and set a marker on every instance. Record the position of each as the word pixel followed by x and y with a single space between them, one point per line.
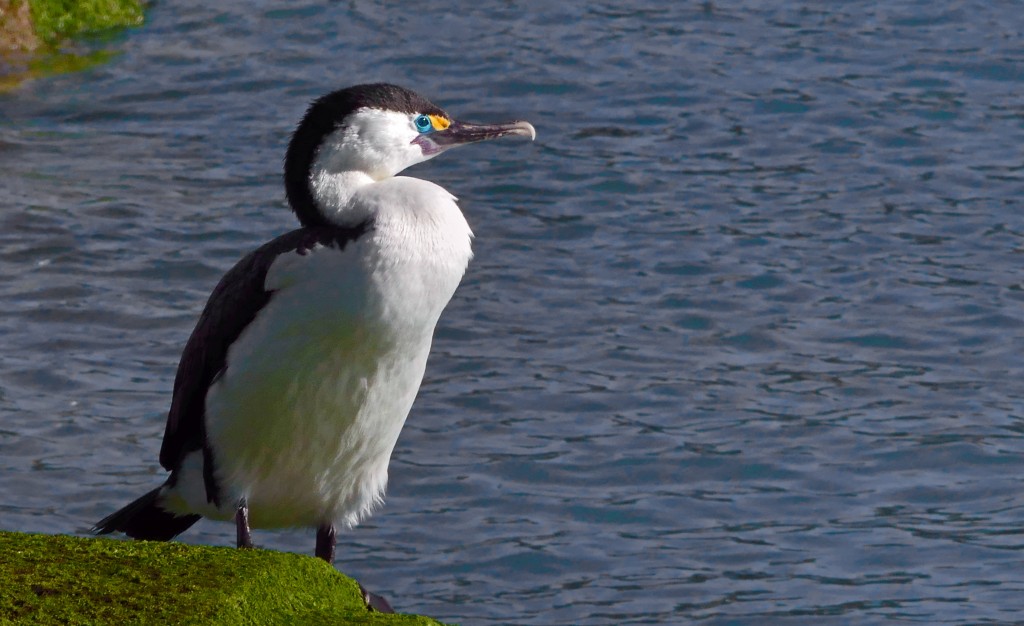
pixel 317 389
pixel 307 437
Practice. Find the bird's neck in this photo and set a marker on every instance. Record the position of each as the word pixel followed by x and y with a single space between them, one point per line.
pixel 333 192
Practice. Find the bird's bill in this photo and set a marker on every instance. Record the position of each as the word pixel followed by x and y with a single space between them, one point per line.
pixel 460 133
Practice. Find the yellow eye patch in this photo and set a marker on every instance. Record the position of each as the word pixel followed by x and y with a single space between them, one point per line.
pixel 439 122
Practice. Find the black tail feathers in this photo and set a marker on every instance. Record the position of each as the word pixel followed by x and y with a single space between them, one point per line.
pixel 145 519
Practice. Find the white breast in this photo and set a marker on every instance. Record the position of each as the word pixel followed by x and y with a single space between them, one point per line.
pixel 319 385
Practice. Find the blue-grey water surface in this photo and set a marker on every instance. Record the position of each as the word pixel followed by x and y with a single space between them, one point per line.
pixel 742 342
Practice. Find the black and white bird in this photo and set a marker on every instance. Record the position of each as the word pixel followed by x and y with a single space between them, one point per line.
pixel 293 388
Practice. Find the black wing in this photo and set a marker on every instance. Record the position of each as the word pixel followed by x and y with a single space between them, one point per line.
pixel 234 303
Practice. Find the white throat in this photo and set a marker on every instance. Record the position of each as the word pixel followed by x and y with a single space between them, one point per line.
pixel 333 192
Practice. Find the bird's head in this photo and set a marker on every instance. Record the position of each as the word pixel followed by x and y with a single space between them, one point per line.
pixel 377 130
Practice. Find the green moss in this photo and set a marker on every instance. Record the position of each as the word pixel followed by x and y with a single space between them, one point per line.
pixel 32 33
pixel 62 19
pixel 47 579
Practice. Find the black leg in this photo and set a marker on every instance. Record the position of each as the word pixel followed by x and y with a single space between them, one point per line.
pixel 325 540
pixel 242 534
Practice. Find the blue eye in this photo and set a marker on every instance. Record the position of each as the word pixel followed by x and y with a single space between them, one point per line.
pixel 423 124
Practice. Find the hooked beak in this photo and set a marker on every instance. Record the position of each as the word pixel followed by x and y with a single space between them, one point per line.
pixel 460 133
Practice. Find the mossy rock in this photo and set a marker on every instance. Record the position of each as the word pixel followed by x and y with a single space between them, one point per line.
pixel 47 579
pixel 25 24
pixel 34 35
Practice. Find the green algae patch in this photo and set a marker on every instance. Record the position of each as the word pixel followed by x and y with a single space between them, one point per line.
pixel 48 579
pixel 56 20
pixel 45 37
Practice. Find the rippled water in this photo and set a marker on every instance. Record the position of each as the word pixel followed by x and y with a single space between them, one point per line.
pixel 742 343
